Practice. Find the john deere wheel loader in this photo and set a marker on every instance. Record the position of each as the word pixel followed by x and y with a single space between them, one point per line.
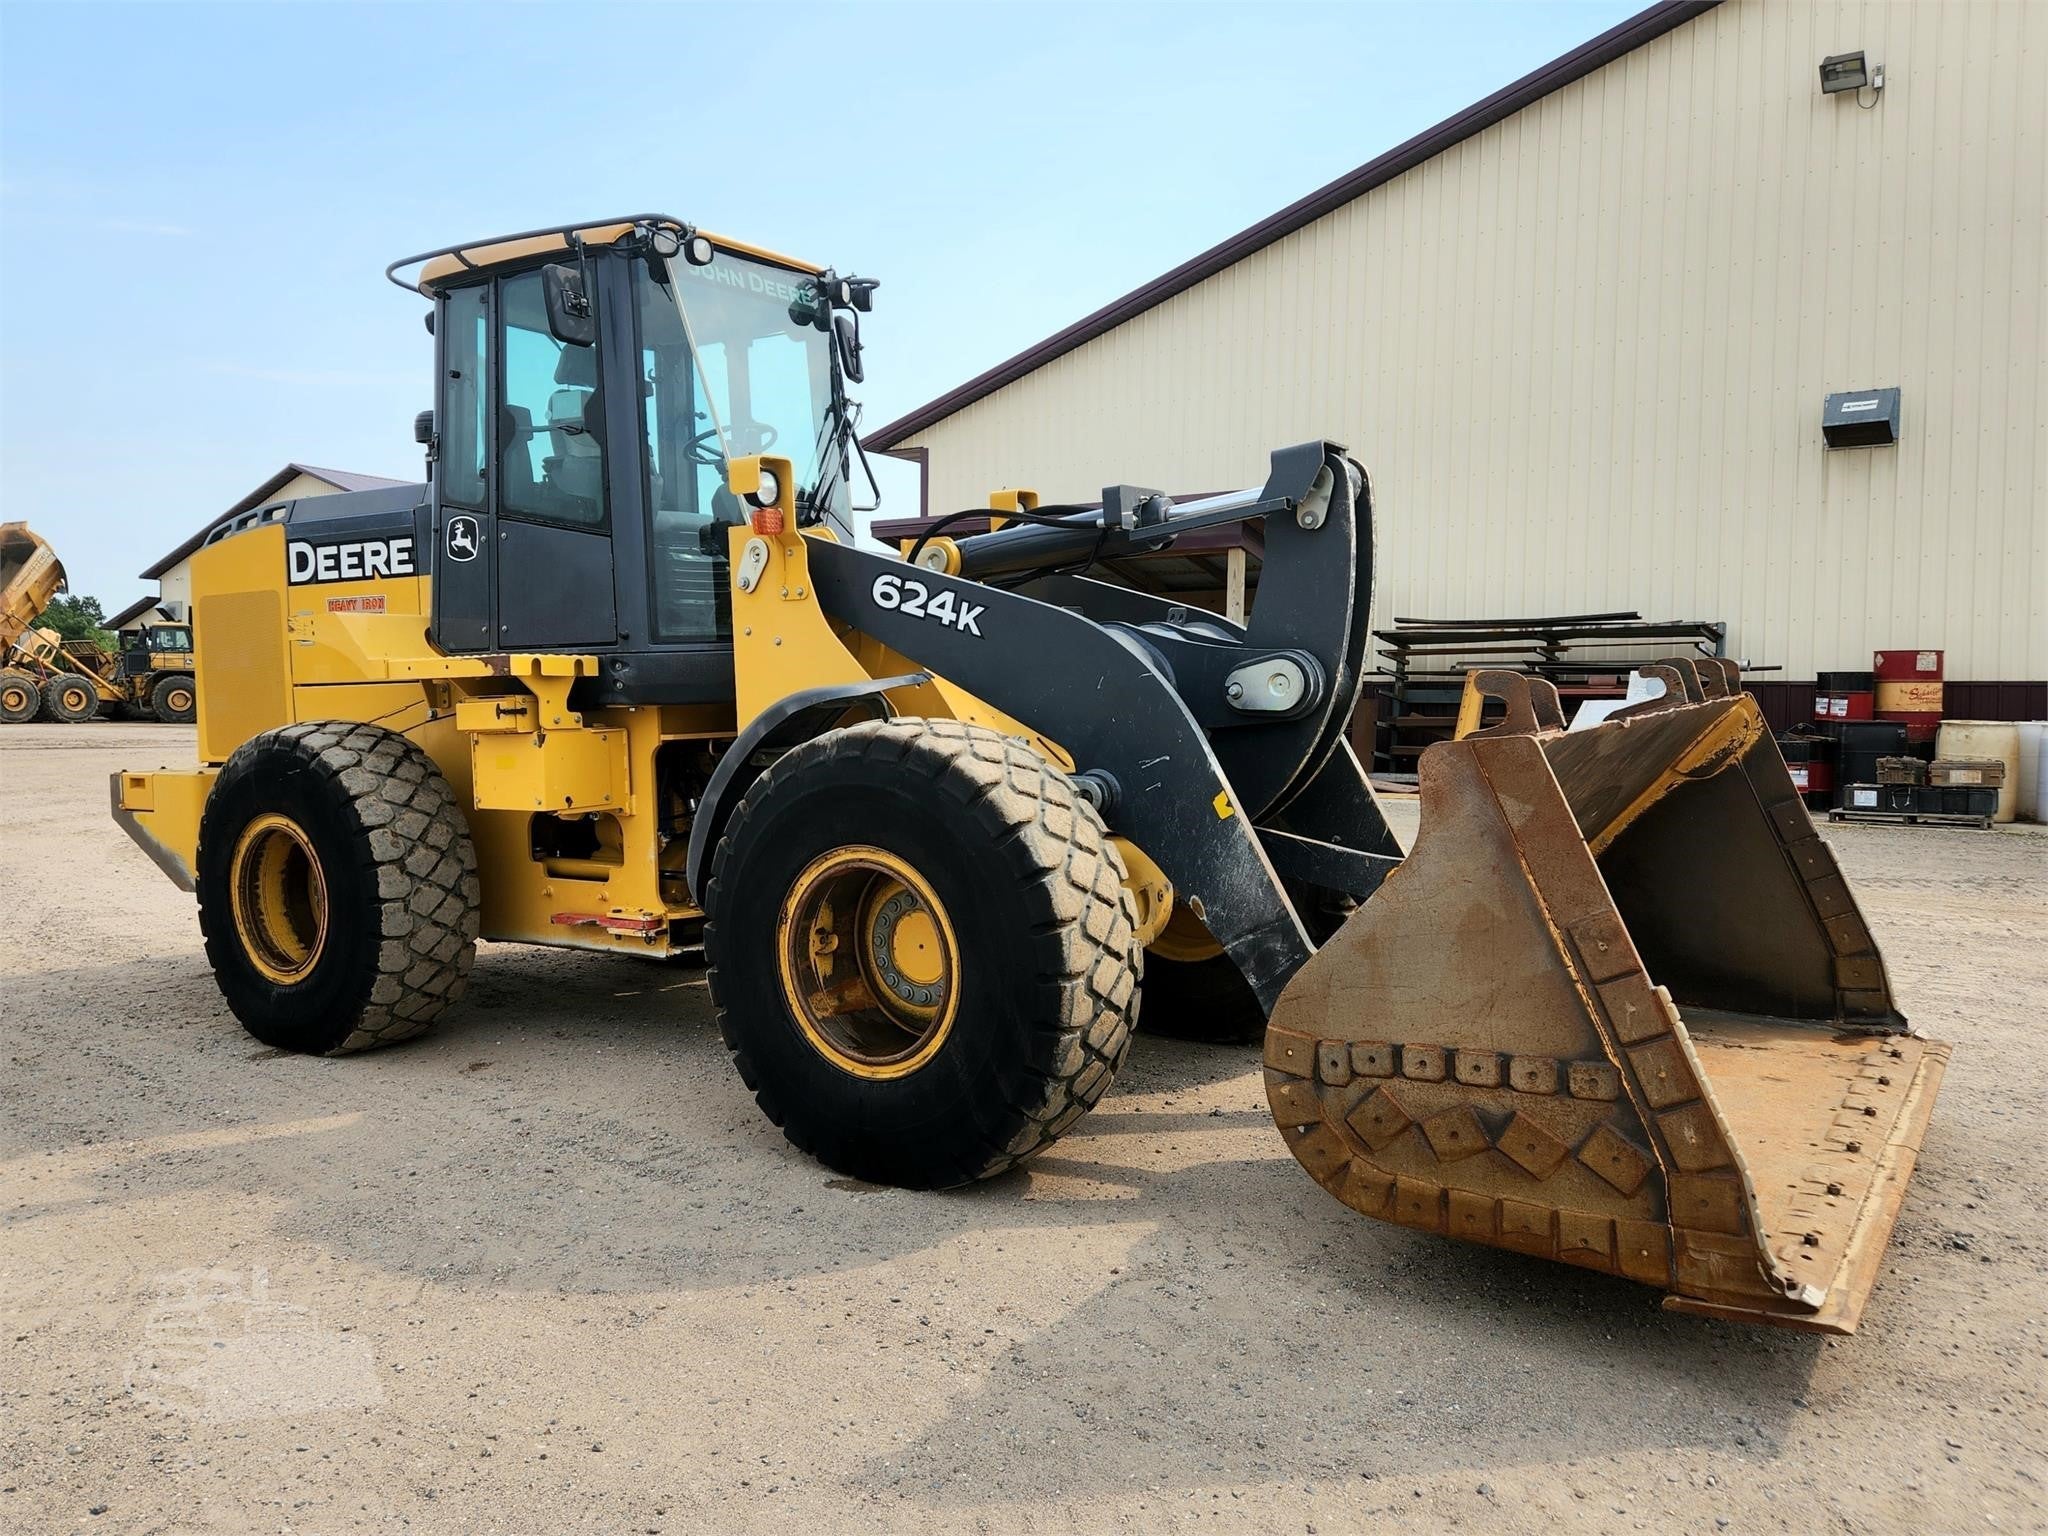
pixel 619 678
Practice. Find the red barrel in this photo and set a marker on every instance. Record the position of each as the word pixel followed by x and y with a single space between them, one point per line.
pixel 1810 760
pixel 1843 696
pixel 1909 690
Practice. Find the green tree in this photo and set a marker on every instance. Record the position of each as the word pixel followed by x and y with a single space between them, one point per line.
pixel 78 618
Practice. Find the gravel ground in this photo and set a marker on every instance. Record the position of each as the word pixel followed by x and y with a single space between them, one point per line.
pixel 547 1270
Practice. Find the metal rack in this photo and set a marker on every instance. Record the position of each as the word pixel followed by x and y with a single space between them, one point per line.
pixel 1587 655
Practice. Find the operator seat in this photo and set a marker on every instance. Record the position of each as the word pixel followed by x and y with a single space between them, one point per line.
pixel 576 433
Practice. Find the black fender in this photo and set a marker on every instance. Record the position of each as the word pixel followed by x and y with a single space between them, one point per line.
pixel 786 723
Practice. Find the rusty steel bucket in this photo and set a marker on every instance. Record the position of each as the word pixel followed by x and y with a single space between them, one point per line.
pixel 1618 1008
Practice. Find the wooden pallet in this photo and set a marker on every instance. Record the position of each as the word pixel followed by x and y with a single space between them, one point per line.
pixel 1911 818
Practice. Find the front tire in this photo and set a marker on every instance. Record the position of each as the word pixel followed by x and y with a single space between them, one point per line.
pixel 174 700
pixel 922 953
pixel 20 697
pixel 338 892
pixel 70 698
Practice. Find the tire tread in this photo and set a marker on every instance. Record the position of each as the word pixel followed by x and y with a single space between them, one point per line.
pixel 1089 964
pixel 413 843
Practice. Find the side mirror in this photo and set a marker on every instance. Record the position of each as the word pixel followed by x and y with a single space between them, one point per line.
pixel 570 320
pixel 423 427
pixel 848 331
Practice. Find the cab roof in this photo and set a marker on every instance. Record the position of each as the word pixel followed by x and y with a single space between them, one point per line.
pixel 437 268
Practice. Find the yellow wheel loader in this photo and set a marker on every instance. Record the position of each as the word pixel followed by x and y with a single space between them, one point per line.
pixel 620 677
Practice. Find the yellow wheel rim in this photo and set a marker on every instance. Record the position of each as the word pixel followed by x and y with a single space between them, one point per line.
pixel 14 698
pixel 180 700
pixel 74 699
pixel 1184 938
pixel 279 898
pixel 870 968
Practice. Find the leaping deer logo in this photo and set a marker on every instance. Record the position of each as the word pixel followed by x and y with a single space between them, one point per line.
pixel 462 538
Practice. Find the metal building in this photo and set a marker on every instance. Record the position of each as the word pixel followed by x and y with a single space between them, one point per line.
pixel 1583 333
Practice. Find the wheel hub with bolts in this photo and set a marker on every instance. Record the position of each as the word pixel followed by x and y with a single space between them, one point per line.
pixel 903 942
pixel 869 962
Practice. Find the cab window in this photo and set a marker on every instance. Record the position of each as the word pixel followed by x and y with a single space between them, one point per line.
pixel 689 509
pixel 170 638
pixel 551 428
pixel 465 348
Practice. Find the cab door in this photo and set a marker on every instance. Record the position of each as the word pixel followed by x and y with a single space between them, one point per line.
pixel 554 522
pixel 522 510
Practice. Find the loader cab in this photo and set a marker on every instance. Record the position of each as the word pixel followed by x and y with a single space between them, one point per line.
pixel 580 497
pixel 158 647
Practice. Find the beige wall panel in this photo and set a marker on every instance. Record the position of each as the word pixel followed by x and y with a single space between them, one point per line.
pixel 1584 352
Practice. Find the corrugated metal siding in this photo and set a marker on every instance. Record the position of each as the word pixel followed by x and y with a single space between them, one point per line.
pixel 1584 352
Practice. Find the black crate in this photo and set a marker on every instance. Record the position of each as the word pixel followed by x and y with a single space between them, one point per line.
pixel 1862 743
pixel 1957 800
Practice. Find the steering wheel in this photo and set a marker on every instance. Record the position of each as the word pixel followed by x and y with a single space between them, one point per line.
pixel 704 447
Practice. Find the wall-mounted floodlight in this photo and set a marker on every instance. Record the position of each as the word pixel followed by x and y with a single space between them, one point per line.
pixel 1860 418
pixel 1849 72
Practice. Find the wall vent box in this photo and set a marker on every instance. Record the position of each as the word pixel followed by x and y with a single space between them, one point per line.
pixel 1861 418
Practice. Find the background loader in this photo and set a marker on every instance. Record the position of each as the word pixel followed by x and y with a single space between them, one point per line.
pixel 619 678
pixel 43 675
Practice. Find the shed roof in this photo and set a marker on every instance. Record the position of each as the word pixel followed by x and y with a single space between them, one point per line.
pixel 134 610
pixel 1644 27
pixel 340 479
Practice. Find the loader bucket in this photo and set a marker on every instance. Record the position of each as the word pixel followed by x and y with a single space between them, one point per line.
pixel 1618 1008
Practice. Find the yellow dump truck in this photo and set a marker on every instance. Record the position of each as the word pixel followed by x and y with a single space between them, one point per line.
pixel 43 675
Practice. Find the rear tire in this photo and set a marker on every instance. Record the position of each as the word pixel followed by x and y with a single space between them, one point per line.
pixel 71 698
pixel 20 697
pixel 922 953
pixel 174 700
pixel 338 891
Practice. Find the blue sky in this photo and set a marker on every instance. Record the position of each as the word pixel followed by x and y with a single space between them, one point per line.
pixel 198 201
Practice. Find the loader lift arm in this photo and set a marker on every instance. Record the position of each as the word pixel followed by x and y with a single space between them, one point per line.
pixel 1128 700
